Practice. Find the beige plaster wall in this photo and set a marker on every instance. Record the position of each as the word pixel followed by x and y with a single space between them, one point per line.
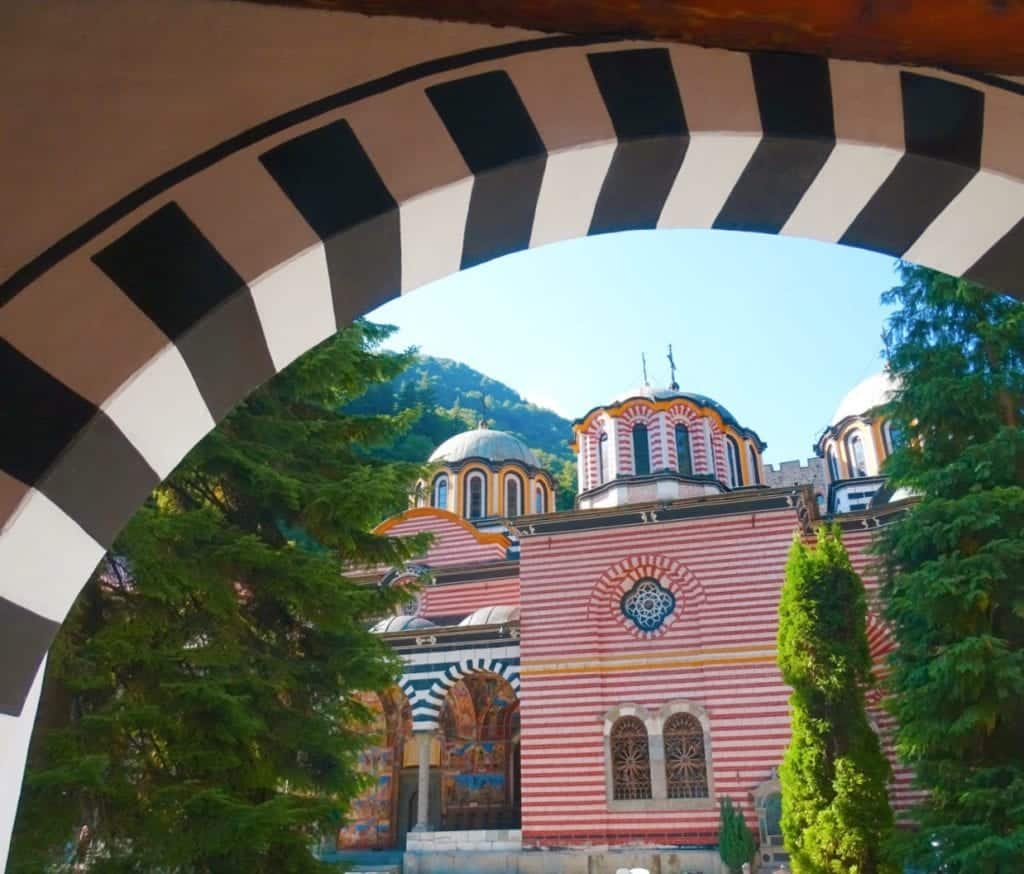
pixel 99 96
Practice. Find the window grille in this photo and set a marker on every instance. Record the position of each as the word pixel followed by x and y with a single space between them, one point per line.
pixel 631 760
pixel 686 765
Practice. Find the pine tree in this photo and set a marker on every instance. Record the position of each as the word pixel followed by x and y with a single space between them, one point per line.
pixel 205 686
pixel 835 810
pixel 736 844
pixel 953 585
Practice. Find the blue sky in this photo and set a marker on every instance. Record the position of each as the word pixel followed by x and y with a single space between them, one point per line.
pixel 776 329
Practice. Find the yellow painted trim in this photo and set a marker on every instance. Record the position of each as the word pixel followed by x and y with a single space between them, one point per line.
pixel 655 407
pixel 446 515
pixel 648 664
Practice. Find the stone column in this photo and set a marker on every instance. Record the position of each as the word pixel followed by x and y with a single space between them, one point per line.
pixel 423 741
pixel 659 785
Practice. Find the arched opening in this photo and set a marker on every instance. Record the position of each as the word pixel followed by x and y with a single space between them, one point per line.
pixel 630 760
pixel 374 817
pixel 513 495
pixel 684 456
pixel 855 455
pixel 476 495
pixel 167 276
pixel 755 471
pixel 686 762
pixel 603 459
pixel 440 494
pixel 540 498
pixel 641 450
pixel 732 459
pixel 479 736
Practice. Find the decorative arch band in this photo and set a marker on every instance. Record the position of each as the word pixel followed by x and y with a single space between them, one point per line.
pixel 517 146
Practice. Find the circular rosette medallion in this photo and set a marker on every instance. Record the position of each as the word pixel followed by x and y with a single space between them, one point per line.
pixel 648 604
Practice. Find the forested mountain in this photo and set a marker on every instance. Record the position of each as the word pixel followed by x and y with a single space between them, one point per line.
pixel 453 398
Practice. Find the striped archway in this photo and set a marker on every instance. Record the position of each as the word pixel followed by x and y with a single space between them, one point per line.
pixel 126 340
pixel 427 689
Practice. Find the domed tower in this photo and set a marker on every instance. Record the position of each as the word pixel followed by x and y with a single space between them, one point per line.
pixel 483 474
pixel 662 445
pixel 855 444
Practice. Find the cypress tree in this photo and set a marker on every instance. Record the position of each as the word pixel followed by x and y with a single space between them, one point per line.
pixel 953 583
pixel 835 811
pixel 202 699
pixel 736 844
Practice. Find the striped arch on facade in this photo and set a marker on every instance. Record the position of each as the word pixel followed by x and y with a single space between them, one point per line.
pixel 517 146
pixel 604 607
pixel 428 691
pixel 684 414
pixel 641 413
pixel 600 425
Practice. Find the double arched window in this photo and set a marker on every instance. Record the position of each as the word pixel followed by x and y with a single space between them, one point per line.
pixel 686 764
pixel 659 760
pixel 684 458
pixel 631 760
pixel 540 499
pixel 732 457
pixel 513 495
pixel 855 453
pixel 439 498
pixel 641 450
pixel 476 495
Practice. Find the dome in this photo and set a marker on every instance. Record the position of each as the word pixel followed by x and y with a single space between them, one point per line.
pixel 487 444
pixel 865 396
pixel 401 623
pixel 665 394
pixel 492 616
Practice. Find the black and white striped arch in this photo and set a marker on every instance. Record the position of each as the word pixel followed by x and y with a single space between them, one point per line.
pixel 426 681
pixel 198 288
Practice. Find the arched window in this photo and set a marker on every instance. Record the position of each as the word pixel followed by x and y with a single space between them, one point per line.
pixel 440 496
pixel 684 458
pixel 631 760
pixel 641 450
pixel 732 456
pixel 686 763
pixel 476 495
pixel 833 464
pixel 893 437
pixel 540 499
pixel 855 451
pixel 513 495
pixel 755 472
pixel 602 458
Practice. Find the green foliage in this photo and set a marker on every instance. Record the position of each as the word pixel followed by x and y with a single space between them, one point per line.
pixel 736 844
pixel 835 811
pixel 953 582
pixel 200 711
pixel 451 398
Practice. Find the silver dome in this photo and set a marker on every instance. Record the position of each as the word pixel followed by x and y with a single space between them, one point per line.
pixel 865 396
pixel 487 444
pixel 401 623
pixel 492 616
